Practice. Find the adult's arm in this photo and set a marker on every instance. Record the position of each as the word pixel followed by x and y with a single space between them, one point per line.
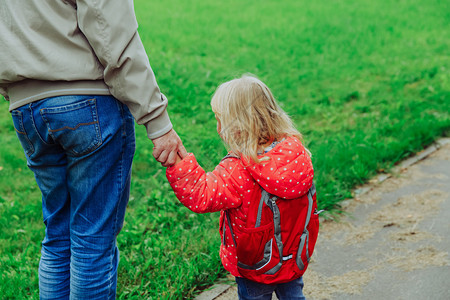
pixel 110 26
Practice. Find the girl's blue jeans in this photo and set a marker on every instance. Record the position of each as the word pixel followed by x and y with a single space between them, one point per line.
pixel 250 290
pixel 80 149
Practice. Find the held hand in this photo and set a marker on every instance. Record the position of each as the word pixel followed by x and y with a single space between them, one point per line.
pixel 178 159
pixel 167 148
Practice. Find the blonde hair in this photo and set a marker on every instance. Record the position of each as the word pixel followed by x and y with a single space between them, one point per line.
pixel 249 116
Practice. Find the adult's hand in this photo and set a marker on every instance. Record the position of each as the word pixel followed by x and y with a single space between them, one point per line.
pixel 167 147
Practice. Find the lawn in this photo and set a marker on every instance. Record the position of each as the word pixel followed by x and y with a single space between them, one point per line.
pixel 366 82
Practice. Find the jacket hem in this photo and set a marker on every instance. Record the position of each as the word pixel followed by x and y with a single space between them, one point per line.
pixel 30 90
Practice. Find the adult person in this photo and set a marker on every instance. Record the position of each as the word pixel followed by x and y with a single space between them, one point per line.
pixel 76 73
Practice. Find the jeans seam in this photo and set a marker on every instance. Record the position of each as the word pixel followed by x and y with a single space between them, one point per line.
pixel 19 114
pixel 111 281
pixel 121 187
pixel 35 127
pixel 99 131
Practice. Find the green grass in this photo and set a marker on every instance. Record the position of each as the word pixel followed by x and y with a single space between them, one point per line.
pixel 366 82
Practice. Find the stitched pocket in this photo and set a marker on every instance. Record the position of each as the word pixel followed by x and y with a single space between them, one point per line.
pixel 75 127
pixel 257 251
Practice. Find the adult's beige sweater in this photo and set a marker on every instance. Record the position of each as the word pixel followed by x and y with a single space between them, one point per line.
pixel 78 47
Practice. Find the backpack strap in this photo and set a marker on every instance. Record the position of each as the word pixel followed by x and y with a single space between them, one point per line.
pixel 264 199
pixel 311 193
pixel 230 155
pixel 305 235
pixel 270 201
pixel 227 216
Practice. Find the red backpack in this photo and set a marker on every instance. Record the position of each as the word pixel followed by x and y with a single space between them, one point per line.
pixel 278 245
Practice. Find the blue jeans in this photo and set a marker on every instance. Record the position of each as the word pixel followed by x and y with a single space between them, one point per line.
pixel 250 290
pixel 80 149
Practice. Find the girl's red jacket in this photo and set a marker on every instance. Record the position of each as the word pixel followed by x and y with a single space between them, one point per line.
pixel 236 183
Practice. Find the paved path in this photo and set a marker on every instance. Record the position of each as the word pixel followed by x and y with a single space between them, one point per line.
pixel 393 242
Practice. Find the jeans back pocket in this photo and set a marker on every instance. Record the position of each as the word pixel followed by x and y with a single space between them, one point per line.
pixel 75 126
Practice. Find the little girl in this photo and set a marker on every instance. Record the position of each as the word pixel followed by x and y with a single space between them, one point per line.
pixel 263 189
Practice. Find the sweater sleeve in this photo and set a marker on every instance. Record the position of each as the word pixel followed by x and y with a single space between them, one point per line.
pixel 110 26
pixel 202 191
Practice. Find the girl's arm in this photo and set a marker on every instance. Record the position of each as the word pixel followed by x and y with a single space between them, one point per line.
pixel 202 191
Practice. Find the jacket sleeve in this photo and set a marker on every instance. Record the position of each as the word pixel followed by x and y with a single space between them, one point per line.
pixel 202 191
pixel 3 93
pixel 110 26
